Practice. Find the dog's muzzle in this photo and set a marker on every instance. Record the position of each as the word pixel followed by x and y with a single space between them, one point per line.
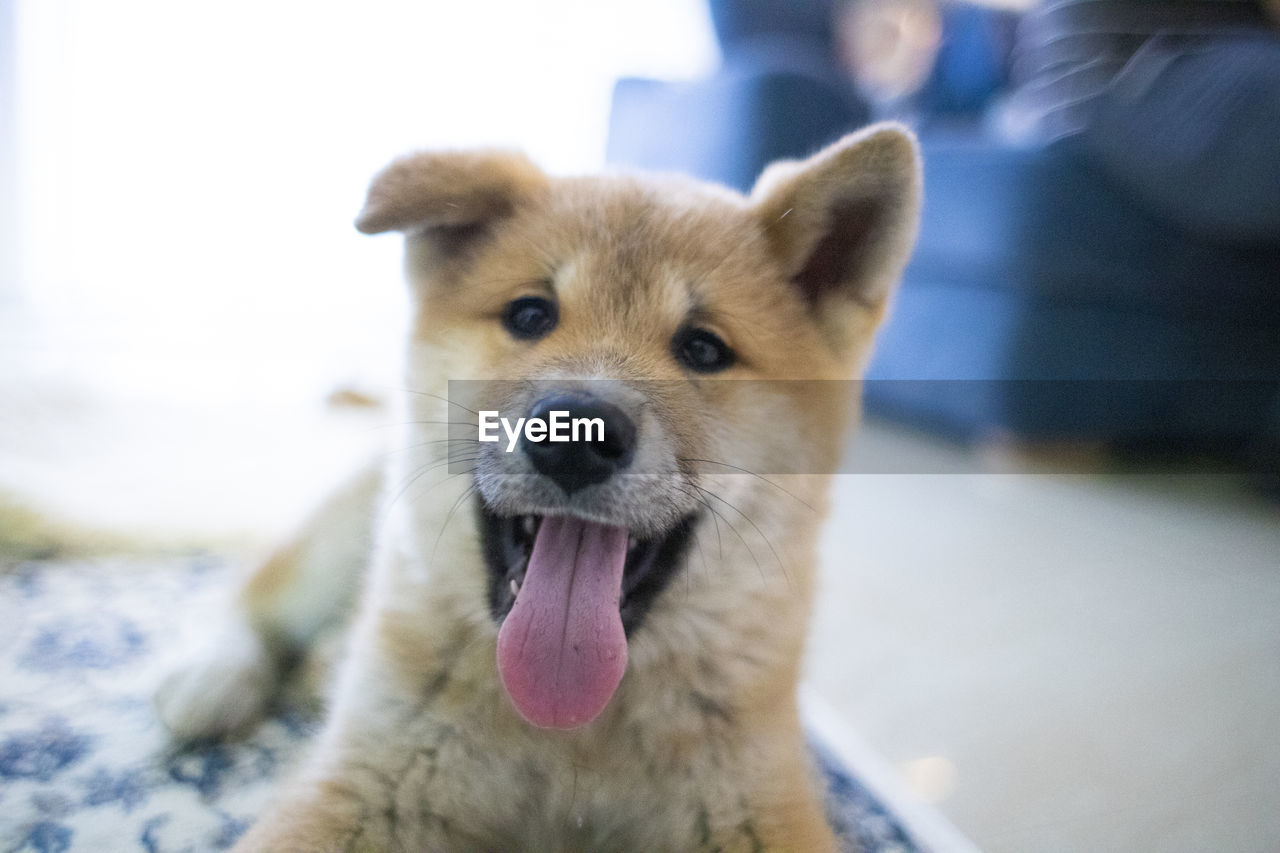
pixel 594 456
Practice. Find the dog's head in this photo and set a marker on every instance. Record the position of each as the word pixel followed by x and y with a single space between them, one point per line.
pixel 625 314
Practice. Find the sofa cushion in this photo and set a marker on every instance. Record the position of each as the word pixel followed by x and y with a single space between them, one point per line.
pixel 1045 224
pixel 975 363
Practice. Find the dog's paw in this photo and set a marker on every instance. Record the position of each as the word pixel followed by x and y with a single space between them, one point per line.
pixel 220 691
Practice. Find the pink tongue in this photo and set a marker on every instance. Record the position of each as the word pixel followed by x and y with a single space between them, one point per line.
pixel 561 649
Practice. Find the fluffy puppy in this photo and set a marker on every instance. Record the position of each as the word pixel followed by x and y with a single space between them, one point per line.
pixel 589 644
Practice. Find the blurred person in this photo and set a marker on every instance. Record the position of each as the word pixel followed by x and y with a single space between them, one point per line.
pixel 926 60
pixel 889 46
pixel 1179 100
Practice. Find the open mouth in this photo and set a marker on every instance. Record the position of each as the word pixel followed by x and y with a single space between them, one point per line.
pixel 567 593
pixel 649 566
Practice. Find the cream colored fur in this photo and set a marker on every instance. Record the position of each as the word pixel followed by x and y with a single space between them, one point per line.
pixel 701 748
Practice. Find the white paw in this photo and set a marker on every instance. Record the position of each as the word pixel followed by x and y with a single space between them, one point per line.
pixel 221 690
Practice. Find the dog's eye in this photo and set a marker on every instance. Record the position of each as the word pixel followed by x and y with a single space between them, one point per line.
pixel 530 317
pixel 701 351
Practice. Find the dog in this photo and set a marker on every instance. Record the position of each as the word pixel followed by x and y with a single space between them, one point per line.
pixel 592 643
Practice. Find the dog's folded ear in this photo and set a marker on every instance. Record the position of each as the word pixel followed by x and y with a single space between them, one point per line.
pixel 842 222
pixel 448 189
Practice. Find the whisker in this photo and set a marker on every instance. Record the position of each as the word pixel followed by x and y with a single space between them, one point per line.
pixel 706 571
pixel 443 399
pixel 423 471
pixel 715 519
pixel 750 551
pixel 760 477
pixel 419 444
pixel 421 423
pixel 440 483
pixel 759 532
pixel 466 493
pixel 697 540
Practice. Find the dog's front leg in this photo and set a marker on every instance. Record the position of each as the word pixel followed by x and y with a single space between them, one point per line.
pixel 320 816
pixel 373 805
pixel 282 608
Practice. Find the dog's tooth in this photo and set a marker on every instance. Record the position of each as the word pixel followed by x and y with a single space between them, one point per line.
pixel 632 543
pixel 515 588
pixel 529 524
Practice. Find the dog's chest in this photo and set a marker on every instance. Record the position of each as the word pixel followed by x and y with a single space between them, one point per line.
pixel 466 792
pixel 554 805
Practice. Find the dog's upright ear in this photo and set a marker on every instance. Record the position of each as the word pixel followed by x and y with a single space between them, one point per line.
pixel 448 190
pixel 842 224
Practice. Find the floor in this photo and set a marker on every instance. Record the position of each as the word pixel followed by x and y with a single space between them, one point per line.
pixel 1058 662
pixel 1061 662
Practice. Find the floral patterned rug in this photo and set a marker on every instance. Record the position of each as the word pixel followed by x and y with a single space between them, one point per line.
pixel 85 765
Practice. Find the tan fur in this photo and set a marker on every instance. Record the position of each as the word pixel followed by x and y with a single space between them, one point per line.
pixel 447 189
pixel 701 747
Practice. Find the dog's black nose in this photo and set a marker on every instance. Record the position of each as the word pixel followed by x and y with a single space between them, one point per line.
pixel 600 439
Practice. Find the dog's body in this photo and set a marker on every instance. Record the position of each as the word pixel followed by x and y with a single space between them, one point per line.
pixel 594 646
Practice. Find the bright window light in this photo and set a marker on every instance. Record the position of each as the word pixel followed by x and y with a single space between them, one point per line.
pixel 188 172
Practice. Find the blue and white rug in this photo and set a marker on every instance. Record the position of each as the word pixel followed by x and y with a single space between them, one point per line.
pixel 86 766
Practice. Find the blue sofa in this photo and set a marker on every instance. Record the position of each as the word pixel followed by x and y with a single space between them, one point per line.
pixel 1057 292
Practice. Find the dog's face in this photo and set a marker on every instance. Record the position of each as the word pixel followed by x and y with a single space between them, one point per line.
pixel 634 309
